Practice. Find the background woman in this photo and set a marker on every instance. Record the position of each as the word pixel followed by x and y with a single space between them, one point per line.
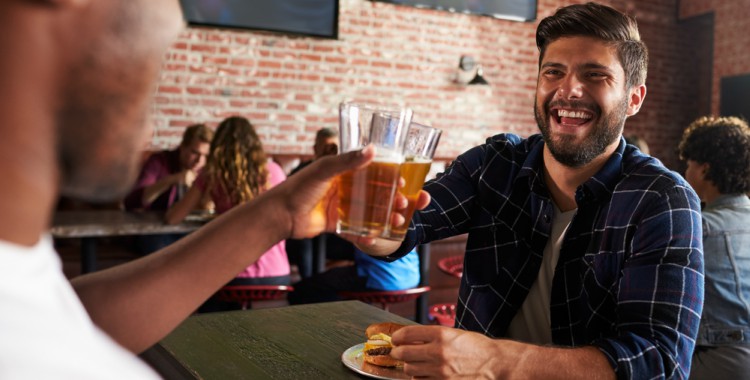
pixel 237 171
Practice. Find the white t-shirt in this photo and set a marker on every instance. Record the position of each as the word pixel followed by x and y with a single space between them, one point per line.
pixel 532 322
pixel 45 332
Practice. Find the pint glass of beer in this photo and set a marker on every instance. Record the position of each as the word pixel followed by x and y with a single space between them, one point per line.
pixel 421 141
pixel 366 195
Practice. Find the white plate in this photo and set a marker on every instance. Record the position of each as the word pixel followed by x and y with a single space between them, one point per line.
pixel 354 359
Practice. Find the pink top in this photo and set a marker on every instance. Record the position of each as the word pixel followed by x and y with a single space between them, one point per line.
pixel 274 262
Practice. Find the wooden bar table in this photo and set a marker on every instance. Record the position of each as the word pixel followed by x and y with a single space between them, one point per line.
pixel 294 342
pixel 91 225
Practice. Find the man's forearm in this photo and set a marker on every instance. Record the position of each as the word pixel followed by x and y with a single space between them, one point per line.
pixel 139 302
pixel 153 191
pixel 544 362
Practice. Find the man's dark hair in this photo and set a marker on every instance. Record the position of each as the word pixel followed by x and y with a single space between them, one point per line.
pixel 602 22
pixel 197 131
pixel 724 144
pixel 325 133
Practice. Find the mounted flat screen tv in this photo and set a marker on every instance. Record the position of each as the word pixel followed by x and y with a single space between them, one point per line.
pixel 735 96
pixel 317 18
pixel 516 10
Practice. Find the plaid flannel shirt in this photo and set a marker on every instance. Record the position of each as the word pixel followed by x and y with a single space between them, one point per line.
pixel 629 279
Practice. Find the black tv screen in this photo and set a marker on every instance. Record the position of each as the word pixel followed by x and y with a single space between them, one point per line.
pixel 735 96
pixel 517 10
pixel 317 18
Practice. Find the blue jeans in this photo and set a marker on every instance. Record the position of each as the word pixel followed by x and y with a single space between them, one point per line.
pixel 324 287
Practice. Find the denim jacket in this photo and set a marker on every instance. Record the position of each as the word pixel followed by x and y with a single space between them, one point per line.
pixel 726 245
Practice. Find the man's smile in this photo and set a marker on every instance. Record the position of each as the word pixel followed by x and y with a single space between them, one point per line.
pixel 569 117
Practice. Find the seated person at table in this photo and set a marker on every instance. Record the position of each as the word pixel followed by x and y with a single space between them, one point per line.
pixel 584 255
pixel 717 150
pixel 300 251
pixel 367 274
pixel 77 77
pixel 164 179
pixel 326 143
pixel 237 171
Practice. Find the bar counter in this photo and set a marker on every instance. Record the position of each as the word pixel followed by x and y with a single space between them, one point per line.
pixel 104 223
pixel 91 225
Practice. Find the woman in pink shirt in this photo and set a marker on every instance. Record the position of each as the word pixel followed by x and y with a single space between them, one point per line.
pixel 237 171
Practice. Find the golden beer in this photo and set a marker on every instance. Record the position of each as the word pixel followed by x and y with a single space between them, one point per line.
pixel 365 198
pixel 414 172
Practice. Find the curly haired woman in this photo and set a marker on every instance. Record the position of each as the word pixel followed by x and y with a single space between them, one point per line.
pixel 717 151
pixel 236 172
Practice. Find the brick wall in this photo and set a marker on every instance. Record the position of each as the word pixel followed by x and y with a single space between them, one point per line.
pixel 291 86
pixel 731 54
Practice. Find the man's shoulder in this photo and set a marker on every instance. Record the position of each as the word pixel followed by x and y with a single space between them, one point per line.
pixel 162 158
pixel 301 166
pixel 646 184
pixel 650 173
pixel 513 141
pixel 511 147
pixel 730 212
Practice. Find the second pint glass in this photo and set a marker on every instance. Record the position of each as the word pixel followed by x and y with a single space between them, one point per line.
pixel 366 195
pixel 421 142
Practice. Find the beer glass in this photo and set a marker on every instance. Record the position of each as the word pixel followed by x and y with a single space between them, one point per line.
pixel 366 194
pixel 421 141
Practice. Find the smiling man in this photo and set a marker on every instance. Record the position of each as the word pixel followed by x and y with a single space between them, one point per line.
pixel 584 256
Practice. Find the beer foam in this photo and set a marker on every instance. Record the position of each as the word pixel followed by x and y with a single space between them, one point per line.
pixel 388 159
pixel 418 160
pixel 388 156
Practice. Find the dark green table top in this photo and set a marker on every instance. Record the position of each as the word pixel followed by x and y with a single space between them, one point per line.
pixel 294 342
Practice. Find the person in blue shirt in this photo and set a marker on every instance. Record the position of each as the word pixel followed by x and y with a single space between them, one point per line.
pixel 367 274
pixel 584 255
pixel 717 151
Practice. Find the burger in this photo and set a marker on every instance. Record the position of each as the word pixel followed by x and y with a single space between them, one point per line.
pixel 378 347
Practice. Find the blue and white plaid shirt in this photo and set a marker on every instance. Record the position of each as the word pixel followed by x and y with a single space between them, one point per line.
pixel 630 275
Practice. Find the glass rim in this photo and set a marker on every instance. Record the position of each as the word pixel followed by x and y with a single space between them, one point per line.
pixel 376 106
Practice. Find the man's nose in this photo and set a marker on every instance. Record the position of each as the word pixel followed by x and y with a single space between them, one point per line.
pixel 570 88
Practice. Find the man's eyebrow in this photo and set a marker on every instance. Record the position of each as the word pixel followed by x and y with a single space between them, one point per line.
pixel 552 64
pixel 587 66
pixel 596 66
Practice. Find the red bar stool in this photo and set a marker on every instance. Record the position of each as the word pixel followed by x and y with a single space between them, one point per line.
pixel 246 294
pixel 445 313
pixel 452 265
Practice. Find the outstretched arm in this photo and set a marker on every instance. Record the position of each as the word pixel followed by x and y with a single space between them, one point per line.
pixel 140 302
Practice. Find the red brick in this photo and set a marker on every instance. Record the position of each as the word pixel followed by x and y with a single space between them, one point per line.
pixel 397 54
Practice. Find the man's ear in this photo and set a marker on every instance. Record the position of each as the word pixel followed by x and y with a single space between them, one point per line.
pixel 637 95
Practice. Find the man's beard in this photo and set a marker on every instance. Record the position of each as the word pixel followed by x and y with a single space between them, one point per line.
pixel 605 132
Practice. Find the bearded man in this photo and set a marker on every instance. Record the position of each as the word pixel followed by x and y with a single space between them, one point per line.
pixel 584 256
